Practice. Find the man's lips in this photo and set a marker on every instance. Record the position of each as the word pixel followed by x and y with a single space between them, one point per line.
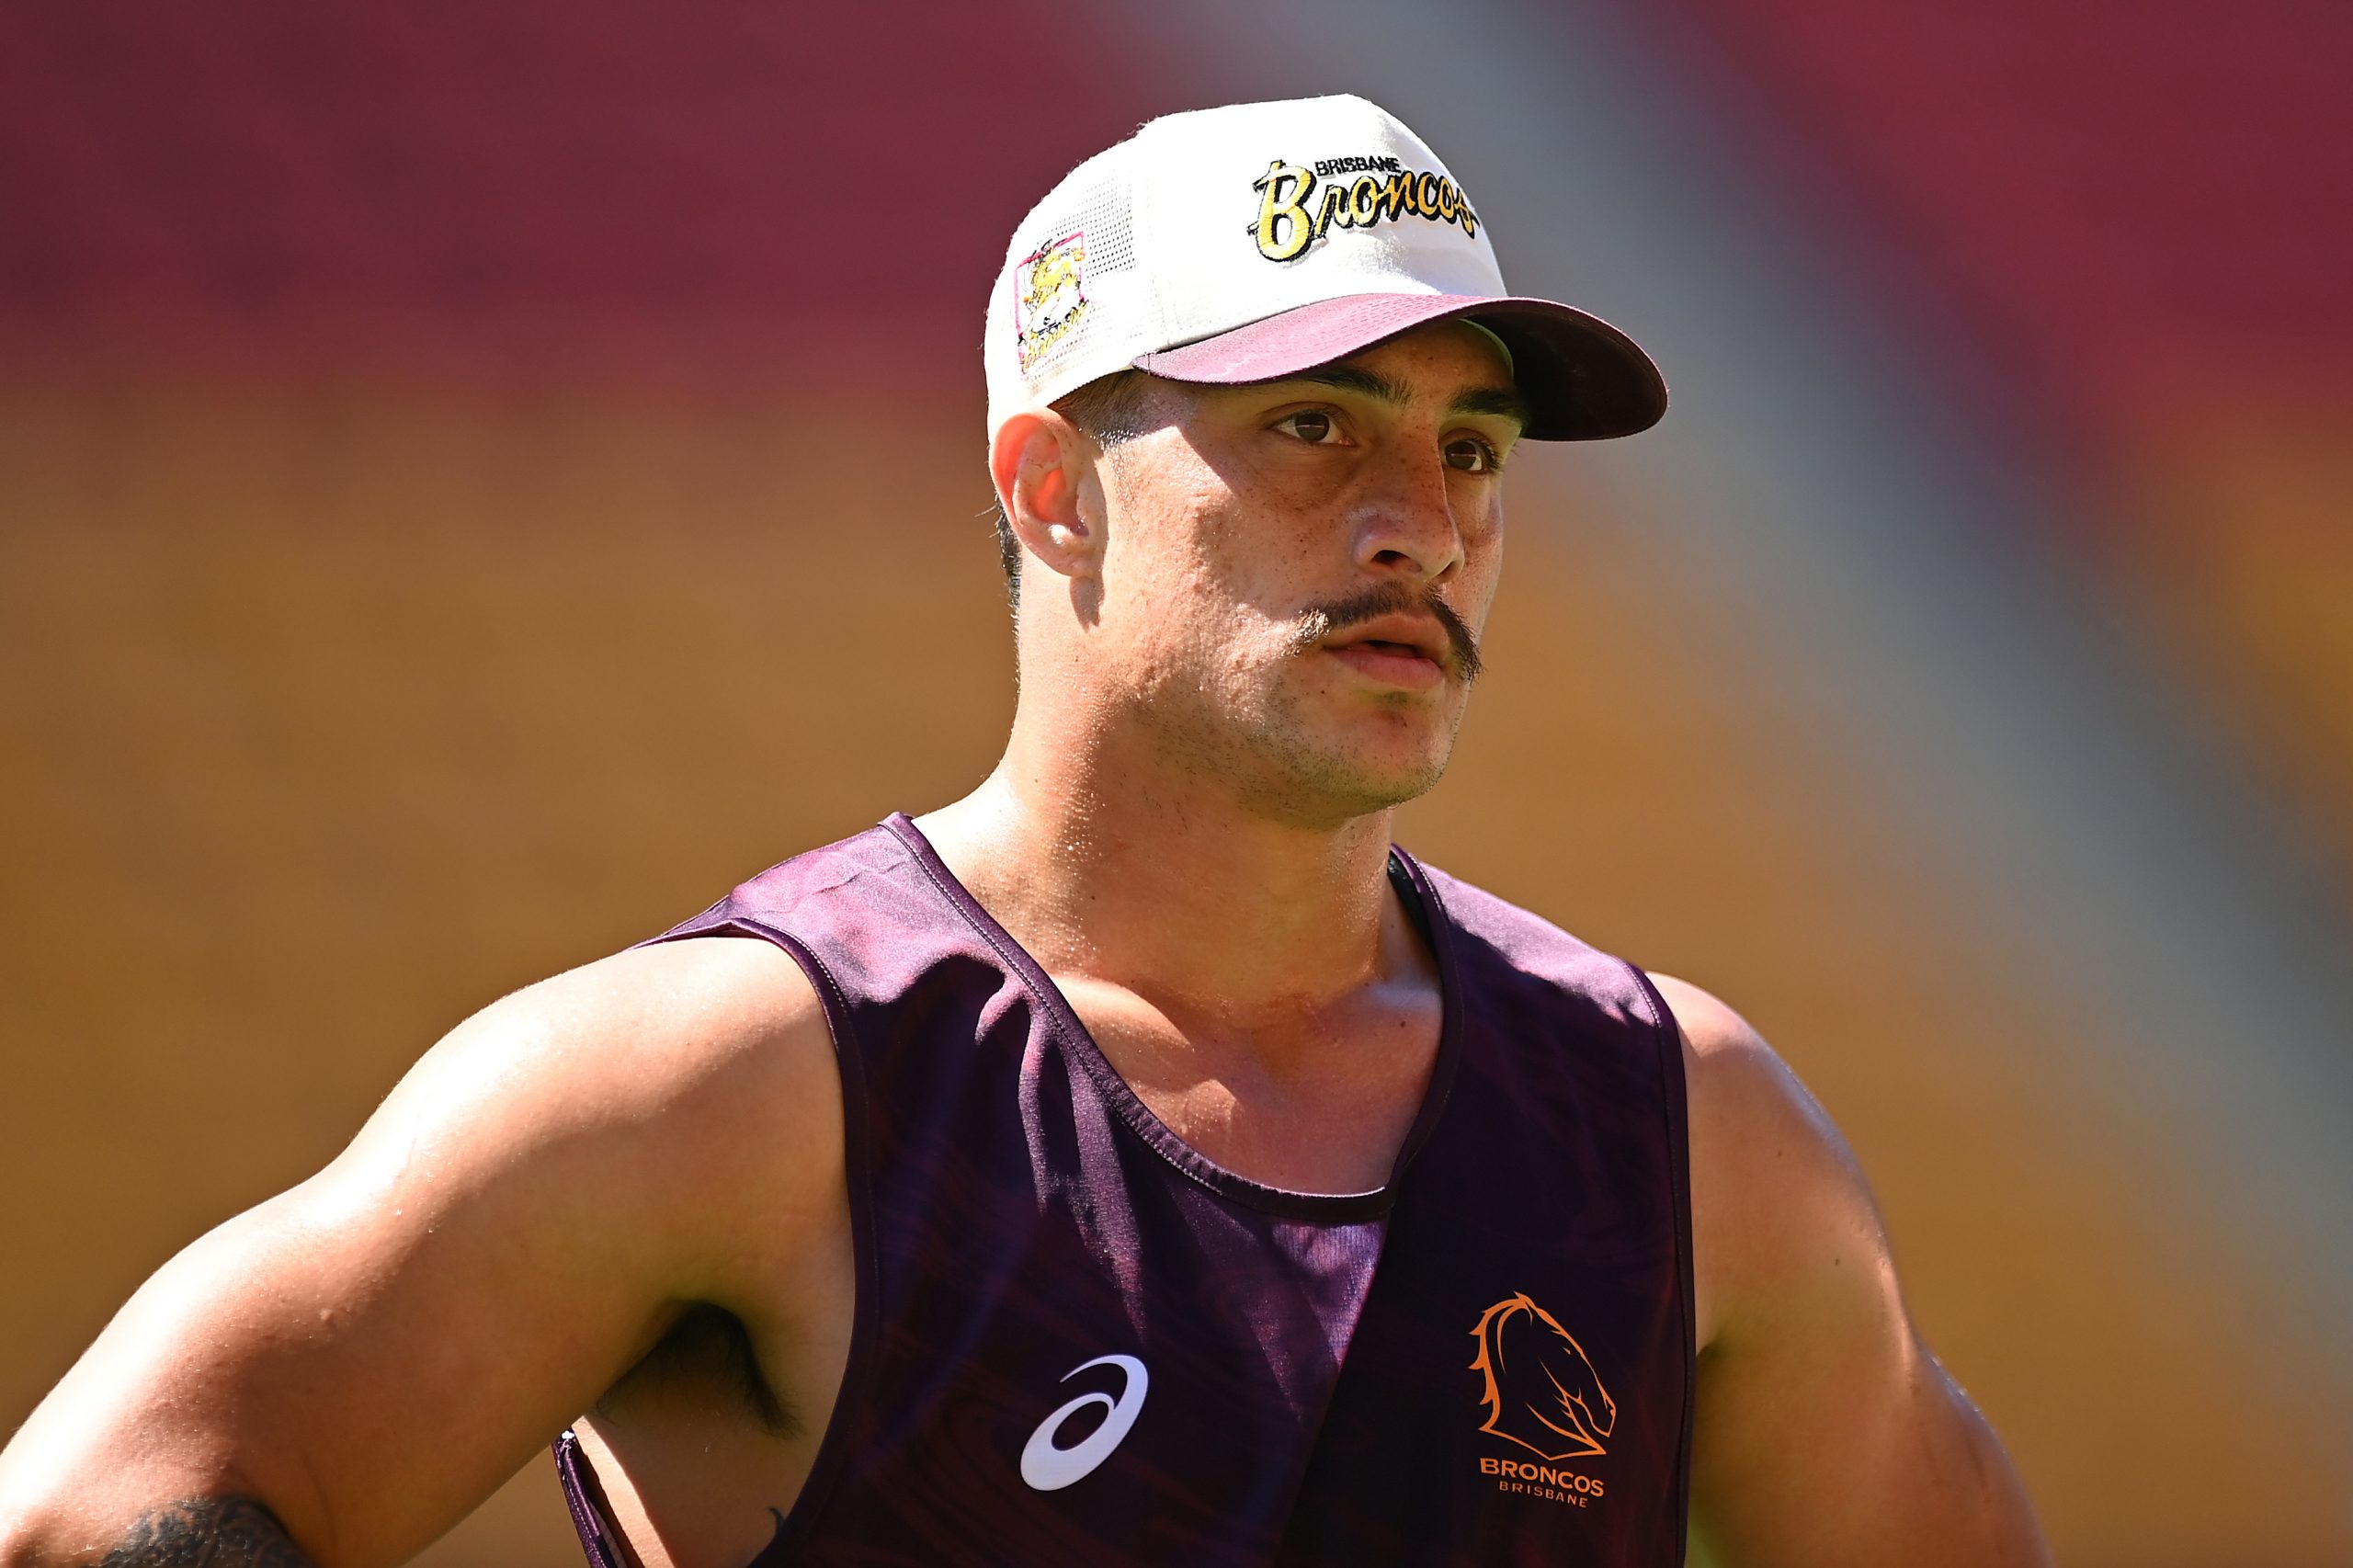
pixel 1393 622
pixel 1392 663
pixel 1396 650
pixel 1401 633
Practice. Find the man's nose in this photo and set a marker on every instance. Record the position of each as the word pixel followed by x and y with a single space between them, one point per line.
pixel 1405 518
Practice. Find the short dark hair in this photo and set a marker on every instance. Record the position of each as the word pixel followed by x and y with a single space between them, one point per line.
pixel 1110 409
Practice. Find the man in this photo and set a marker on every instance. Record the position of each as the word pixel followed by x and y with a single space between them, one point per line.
pixel 1137 1161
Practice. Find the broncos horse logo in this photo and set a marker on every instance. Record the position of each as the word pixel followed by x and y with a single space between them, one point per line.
pixel 1052 271
pixel 1540 1391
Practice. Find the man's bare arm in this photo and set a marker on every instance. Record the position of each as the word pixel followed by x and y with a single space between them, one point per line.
pixel 1827 1434
pixel 340 1374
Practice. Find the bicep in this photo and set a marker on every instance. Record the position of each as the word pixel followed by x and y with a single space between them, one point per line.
pixel 1826 1433
pixel 372 1352
pixel 367 1380
pixel 1851 1457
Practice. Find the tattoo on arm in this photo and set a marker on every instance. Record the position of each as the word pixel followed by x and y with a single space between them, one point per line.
pixel 207 1532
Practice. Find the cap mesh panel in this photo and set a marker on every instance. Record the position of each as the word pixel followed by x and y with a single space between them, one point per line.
pixel 1101 217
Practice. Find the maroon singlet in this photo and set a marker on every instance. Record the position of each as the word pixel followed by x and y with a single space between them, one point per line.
pixel 1079 1342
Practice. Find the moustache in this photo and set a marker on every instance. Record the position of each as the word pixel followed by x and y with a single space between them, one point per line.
pixel 1390 598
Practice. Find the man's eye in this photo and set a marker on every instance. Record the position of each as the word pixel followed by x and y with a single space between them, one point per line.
pixel 1471 455
pixel 1311 425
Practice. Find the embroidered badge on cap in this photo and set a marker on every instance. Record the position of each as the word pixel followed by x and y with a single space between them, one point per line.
pixel 1050 296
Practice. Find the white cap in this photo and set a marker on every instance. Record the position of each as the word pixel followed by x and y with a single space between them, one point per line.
pixel 1252 241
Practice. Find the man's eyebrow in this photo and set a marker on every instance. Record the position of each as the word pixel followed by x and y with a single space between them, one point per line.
pixel 1355 379
pixel 1504 401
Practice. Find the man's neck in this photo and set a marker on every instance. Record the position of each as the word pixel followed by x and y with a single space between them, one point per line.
pixel 1174 889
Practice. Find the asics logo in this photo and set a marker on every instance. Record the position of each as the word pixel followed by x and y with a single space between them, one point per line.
pixel 1049 1469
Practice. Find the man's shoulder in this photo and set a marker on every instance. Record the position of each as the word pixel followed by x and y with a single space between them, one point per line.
pixel 1777 1197
pixel 1736 1078
pixel 865 866
pixel 868 911
pixel 1746 1101
pixel 1507 944
pixel 685 1037
pixel 648 1032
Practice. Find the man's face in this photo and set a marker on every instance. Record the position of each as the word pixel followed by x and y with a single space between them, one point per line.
pixel 1295 573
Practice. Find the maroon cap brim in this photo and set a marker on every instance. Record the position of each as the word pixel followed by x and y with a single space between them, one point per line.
pixel 1585 380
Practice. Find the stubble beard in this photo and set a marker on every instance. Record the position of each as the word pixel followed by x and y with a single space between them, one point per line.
pixel 1264 745
pixel 1327 785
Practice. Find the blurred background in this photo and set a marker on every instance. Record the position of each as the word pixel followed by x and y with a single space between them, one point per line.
pixel 477 480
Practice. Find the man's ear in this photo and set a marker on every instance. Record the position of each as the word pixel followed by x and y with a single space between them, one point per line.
pixel 1046 481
